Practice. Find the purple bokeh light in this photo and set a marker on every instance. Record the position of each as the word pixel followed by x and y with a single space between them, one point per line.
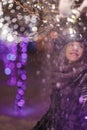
pixel 7 71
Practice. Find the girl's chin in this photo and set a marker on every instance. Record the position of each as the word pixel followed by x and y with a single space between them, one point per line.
pixel 73 60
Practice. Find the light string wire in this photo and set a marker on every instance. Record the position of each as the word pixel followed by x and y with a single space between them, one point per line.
pixel 23 7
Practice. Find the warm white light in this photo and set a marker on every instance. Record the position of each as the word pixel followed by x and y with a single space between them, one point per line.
pixel 71 30
pixel 5 31
pixel 34 29
pixel 1 25
pixel 10 38
pixel 53 6
pixel 10 6
pixel 10 1
pixel 1 10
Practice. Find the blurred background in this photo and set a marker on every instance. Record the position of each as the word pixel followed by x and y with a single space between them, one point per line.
pixel 29 33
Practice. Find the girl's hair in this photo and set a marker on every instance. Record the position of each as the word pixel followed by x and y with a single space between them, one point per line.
pixel 62 43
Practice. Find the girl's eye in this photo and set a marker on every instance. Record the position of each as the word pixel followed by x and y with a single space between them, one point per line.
pixel 81 46
pixel 71 44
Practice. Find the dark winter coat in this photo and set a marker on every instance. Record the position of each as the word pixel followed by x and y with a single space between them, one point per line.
pixel 68 108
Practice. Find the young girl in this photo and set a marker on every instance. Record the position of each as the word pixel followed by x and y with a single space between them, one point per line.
pixel 68 107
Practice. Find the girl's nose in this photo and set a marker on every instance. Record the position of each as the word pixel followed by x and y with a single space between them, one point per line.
pixel 75 47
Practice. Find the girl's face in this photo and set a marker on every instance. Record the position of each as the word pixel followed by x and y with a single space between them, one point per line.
pixel 74 51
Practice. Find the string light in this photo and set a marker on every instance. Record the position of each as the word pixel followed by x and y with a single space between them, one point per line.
pixel 9 64
pixel 21 72
pixel 33 18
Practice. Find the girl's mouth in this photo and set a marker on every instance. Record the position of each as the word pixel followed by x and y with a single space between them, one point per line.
pixel 74 53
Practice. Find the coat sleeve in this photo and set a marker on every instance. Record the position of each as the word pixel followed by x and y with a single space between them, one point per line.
pixel 84 88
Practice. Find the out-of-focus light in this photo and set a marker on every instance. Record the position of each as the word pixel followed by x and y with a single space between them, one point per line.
pixel 70 20
pixel 1 12
pixel 10 6
pixel 23 86
pixel 7 71
pixel 12 81
pixel 18 96
pixel 21 92
pixel 21 103
pixel 23 76
pixel 86 117
pixel 1 25
pixel 14 20
pixel 12 11
pixel 10 38
pixel 34 29
pixel 71 31
pixel 2 20
pixel 19 65
pixel 5 31
pixel 11 57
pixel 7 18
pixel 12 65
pixel 18 7
pixel 24 55
pixel 15 26
pixel 10 1
pixel 19 83
pixel 24 49
pixel 19 16
pixel 4 2
pixel 53 6
pixel 22 29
